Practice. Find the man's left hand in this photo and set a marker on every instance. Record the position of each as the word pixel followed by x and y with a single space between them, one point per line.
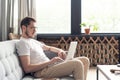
pixel 62 54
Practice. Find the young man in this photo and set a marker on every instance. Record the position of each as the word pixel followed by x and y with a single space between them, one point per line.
pixel 34 60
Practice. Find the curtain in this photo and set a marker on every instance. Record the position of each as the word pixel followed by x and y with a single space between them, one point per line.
pixel 25 8
pixel 8 15
pixel 6 18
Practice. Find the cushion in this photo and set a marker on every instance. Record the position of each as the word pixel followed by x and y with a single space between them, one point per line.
pixel 50 54
pixel 10 68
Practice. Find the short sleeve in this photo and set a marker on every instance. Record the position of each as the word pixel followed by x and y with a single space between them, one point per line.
pixel 40 43
pixel 23 48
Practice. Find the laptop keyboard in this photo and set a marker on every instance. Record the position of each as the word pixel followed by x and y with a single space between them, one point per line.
pixel 57 62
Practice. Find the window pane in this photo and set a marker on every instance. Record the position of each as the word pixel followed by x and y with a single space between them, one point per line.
pixel 53 16
pixel 16 16
pixel 105 14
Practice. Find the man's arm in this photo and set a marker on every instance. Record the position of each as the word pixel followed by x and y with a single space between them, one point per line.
pixel 25 61
pixel 61 53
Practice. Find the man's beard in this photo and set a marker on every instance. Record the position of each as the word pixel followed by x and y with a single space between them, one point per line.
pixel 27 34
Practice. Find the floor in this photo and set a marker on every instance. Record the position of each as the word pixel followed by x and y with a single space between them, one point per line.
pixel 92 74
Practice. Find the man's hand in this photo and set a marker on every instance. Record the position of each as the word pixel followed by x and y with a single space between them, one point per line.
pixel 56 59
pixel 62 54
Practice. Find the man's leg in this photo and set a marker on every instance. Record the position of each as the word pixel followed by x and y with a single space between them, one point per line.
pixel 86 64
pixel 66 68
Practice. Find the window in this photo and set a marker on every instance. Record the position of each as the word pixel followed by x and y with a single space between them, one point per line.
pixel 53 16
pixel 15 16
pixel 105 14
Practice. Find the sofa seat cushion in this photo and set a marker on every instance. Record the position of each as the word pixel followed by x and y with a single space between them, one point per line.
pixel 28 78
pixel 32 78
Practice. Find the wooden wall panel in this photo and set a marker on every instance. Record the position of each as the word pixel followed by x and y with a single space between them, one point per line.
pixel 99 50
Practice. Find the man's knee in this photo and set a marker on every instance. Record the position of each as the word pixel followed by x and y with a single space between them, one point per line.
pixel 77 63
pixel 86 59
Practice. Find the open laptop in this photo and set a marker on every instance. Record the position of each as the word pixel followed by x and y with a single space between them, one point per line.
pixel 71 50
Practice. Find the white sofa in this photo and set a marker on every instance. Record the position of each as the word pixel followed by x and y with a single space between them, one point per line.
pixel 10 68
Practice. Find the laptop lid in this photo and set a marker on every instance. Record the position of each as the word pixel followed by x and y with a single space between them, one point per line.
pixel 71 50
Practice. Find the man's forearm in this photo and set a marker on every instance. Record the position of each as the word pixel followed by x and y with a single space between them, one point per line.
pixel 36 67
pixel 54 49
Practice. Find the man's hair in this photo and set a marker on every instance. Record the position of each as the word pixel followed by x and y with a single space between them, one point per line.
pixel 26 21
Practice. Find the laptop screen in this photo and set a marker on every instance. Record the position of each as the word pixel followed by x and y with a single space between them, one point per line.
pixel 71 50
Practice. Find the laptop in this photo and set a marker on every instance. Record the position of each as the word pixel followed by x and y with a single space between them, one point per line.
pixel 71 50
pixel 70 54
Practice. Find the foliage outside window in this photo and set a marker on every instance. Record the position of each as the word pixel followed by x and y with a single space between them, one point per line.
pixel 104 13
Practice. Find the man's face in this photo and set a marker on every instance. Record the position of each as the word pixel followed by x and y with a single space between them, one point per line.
pixel 30 30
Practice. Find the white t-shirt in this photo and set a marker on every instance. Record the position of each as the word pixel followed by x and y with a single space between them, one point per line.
pixel 33 48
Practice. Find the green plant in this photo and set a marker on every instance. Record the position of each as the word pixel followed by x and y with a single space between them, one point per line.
pixel 83 24
pixel 94 26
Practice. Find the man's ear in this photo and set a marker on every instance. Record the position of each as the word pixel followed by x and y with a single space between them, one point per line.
pixel 23 27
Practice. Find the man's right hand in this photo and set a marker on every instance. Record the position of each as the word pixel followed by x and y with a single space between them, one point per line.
pixel 56 59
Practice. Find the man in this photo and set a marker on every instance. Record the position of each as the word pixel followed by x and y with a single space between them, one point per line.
pixel 33 59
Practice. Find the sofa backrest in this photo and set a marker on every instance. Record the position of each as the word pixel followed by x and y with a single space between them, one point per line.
pixel 10 68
